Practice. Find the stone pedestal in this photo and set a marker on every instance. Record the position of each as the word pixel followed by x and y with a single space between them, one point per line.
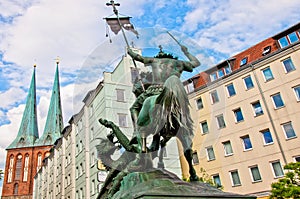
pixel 163 184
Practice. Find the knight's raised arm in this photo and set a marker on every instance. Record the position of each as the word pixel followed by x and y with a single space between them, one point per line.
pixel 193 60
pixel 136 56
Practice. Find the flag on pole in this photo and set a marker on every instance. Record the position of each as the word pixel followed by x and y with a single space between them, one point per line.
pixel 112 22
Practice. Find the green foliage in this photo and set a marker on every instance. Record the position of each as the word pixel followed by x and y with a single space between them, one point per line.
pixel 289 186
pixel 1 172
pixel 204 177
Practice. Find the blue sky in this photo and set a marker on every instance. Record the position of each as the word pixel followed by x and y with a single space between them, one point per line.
pixel 37 31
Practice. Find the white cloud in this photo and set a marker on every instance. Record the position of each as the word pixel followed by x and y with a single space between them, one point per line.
pixel 11 96
pixel 234 25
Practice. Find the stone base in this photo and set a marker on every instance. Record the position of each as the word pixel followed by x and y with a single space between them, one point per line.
pixel 159 183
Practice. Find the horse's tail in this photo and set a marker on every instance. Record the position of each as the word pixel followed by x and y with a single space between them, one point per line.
pixel 174 107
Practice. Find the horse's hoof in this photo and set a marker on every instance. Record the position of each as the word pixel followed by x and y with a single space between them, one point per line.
pixel 160 165
pixel 194 178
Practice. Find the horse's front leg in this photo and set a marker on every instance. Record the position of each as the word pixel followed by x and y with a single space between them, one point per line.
pixel 186 142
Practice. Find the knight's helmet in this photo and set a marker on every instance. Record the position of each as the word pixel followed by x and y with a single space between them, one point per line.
pixel 162 54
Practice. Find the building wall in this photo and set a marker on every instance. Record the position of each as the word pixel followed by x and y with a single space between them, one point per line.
pixel 25 188
pixel 261 155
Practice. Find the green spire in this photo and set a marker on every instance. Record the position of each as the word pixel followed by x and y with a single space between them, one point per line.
pixel 54 122
pixel 28 131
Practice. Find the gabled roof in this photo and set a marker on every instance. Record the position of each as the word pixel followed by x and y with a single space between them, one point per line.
pixel 28 131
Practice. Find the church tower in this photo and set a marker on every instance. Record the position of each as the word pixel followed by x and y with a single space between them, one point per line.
pixel 26 152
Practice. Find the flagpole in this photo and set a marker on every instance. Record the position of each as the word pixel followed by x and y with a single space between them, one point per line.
pixel 113 4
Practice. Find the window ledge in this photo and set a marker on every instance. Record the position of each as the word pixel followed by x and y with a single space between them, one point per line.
pixel 279 107
pixel 278 177
pixel 257 115
pixel 291 138
pixel 246 150
pixel 239 121
pixel 227 155
pixel 271 143
pixel 258 181
pixel 238 185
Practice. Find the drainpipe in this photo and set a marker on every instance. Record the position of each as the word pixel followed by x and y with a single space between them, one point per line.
pixel 269 114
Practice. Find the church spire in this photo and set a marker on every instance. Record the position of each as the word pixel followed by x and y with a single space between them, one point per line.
pixel 28 131
pixel 54 122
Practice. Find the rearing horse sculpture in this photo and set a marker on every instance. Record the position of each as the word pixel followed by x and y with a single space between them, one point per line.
pixel 167 115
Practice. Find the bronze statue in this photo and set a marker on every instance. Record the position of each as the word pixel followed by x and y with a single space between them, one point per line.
pixel 163 66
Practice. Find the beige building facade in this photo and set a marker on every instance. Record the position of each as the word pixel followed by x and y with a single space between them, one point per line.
pixel 246 115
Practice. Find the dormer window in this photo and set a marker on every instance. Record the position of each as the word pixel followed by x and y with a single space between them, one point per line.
pixel 244 61
pixel 213 77
pixel 266 50
pixel 289 39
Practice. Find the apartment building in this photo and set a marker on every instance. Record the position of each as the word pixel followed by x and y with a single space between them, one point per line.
pixel 245 112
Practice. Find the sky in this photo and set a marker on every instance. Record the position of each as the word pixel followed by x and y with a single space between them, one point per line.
pixel 38 31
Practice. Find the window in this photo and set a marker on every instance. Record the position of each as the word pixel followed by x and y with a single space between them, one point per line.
pixel 195 158
pixel 77 173
pixel 297 92
pixel 283 42
pixel 255 174
pixel 120 95
pixel 16 189
pixel 227 70
pixel 10 169
pixel 39 163
pixel 297 159
pixel 277 169
pixel 80 124
pixel 235 178
pixel 190 87
pixel 244 61
pixel 93 159
pixel 122 120
pixel 231 90
pixel 246 142
pixel 18 167
pixel 80 169
pixel 80 146
pixel 266 50
pixel 268 75
pixel 81 193
pixel 199 103
pixel 221 73
pixel 293 37
pixel 227 148
pixel 25 176
pixel 288 130
pixel 288 65
pixel 277 100
pixel 248 82
pixel 210 153
pixel 257 109
pixel 93 187
pixel 91 109
pixel 92 133
pixel 221 121
pixel 213 77
pixel 204 127
pixel 214 97
pixel 238 115
pixel 217 180
pixel 267 137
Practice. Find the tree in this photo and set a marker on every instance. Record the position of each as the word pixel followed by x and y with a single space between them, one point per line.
pixel 289 185
pixel 1 172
